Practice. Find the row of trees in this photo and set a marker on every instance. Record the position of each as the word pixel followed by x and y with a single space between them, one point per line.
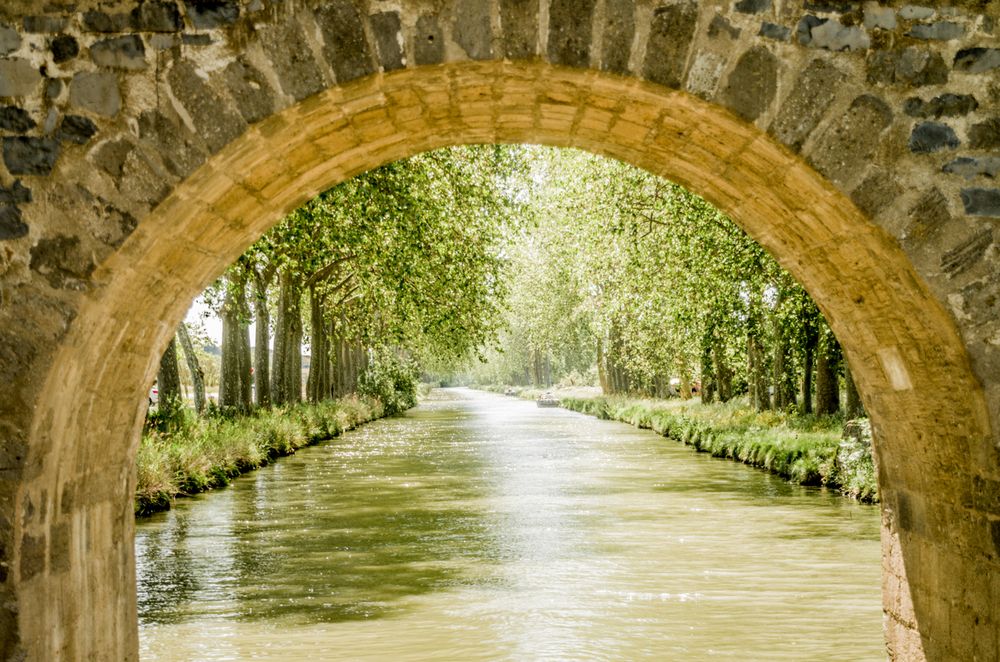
pixel 401 264
pixel 661 292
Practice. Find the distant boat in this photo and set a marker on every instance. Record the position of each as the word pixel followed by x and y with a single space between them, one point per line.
pixel 547 400
pixel 510 391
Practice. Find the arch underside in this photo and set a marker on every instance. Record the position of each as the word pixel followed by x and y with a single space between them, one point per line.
pixel 928 409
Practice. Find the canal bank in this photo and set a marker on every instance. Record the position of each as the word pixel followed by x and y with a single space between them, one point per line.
pixel 806 450
pixel 476 527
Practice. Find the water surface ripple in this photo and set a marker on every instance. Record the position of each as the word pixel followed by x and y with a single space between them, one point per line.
pixel 479 527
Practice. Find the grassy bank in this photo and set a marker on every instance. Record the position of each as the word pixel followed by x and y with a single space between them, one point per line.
pixel 209 452
pixel 808 450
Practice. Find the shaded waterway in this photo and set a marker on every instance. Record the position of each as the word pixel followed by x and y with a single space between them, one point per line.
pixel 479 527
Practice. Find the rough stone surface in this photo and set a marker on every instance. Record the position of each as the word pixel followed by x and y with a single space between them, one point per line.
pixel 216 123
pixel 931 137
pixel 77 129
pixel 250 89
pixel 832 35
pixel 970 167
pixel 981 202
pixel 288 49
pixel 753 83
pixel 847 146
pixel 977 60
pixel 670 36
pixel 63 261
pixel 472 29
pixel 346 47
pixel 37 24
pixel 10 40
pixel 64 48
pixel 30 156
pixel 910 66
pixel 985 135
pixel 15 119
pixel 96 92
pixel 879 17
pixel 209 14
pixel 926 219
pixel 520 26
pixel 753 6
pixel 428 41
pixel 945 105
pixel 388 40
pixel 877 192
pixel 619 31
pixel 18 77
pixel 776 32
pixel 968 253
pixel 11 224
pixel 569 32
pixel 120 53
pixel 805 106
pixel 944 30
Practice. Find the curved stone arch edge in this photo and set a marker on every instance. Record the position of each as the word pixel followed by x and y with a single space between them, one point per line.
pixel 212 216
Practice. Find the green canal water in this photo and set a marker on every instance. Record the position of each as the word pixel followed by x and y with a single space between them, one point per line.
pixel 479 527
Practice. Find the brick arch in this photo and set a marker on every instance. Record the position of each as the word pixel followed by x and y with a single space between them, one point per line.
pixel 169 153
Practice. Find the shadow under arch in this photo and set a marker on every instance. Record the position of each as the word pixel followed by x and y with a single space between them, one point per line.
pixel 904 349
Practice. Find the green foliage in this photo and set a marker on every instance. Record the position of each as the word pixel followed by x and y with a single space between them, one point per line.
pixel 206 453
pixel 390 380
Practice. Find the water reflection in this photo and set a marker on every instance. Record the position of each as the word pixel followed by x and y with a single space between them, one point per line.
pixel 479 527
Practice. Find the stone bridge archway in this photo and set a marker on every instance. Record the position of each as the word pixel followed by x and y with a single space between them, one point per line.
pixel 145 145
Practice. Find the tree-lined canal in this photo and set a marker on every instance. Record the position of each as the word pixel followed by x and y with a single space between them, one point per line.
pixel 482 527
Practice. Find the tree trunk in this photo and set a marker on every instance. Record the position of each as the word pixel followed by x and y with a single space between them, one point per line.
pixel 809 358
pixel 602 368
pixel 782 377
pixel 169 384
pixel 853 408
pixel 230 379
pixel 293 361
pixel 197 375
pixel 723 373
pixel 708 383
pixel 262 332
pixel 827 384
pixel 760 398
pixel 243 335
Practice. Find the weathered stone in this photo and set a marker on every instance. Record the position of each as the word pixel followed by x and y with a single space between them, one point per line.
pixel 30 156
pixel 251 91
pixel 77 129
pixel 966 254
pixel 32 556
pixel 216 122
pixel 428 41
pixel 943 31
pixel 670 36
pixel 752 6
pixel 64 48
pixel 981 201
pixel 927 217
pixel 520 27
pixel 388 39
pixel 803 31
pixel 110 156
pixel 916 12
pixel 932 136
pixel 776 32
pixel 97 92
pixel 877 16
pixel 970 167
pixel 120 53
pixel 210 14
pixel 828 6
pixel 63 261
pixel 721 26
pixel 752 84
pixel 18 78
pixel 152 16
pixel 472 29
pixel 945 105
pixel 619 30
pixel 178 150
pixel 832 35
pixel 16 119
pixel 570 26
pixel 911 66
pixel 10 40
pixel 98 21
pixel 196 39
pixel 16 194
pixel 985 135
pixel 49 24
pixel 848 145
pixel 288 49
pixel 876 192
pixel 346 47
pixel 11 225
pixel 810 98
pixel 977 60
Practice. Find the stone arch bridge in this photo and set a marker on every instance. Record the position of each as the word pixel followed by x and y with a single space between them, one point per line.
pixel 146 144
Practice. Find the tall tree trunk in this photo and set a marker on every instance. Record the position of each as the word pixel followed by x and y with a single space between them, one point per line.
pixel 168 383
pixel 602 368
pixel 808 361
pixel 708 380
pixel 827 384
pixel 783 376
pixel 293 362
pixel 231 377
pixel 853 408
pixel 723 373
pixel 243 335
pixel 197 375
pixel 262 332
pixel 760 398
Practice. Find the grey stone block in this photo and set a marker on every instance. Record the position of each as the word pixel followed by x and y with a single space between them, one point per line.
pixel 776 32
pixel 209 14
pixel 971 167
pixel 346 47
pixel 96 92
pixel 18 78
pixel 10 40
pixel 977 60
pixel 388 39
pixel 804 107
pixel 15 119
pixel 752 84
pixel 943 31
pixel 932 137
pixel 619 31
pixel 570 27
pixel 12 226
pixel 981 202
pixel 251 91
pixel 76 129
pixel 26 155
pixel 945 105
pixel 985 135
pixel 519 23
pixel 64 48
pixel 428 42
pixel 215 121
pixel 126 52
pixel 670 35
pixel 752 6
pixel 472 28
pixel 298 72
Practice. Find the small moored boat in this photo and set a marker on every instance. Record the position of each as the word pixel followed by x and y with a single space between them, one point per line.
pixel 547 400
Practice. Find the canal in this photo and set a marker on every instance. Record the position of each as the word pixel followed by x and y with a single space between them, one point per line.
pixel 479 527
